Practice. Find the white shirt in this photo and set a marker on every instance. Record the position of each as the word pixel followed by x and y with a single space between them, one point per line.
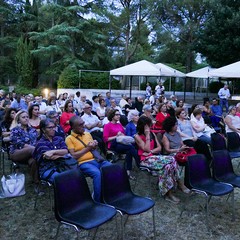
pixel 224 93
pixel 91 119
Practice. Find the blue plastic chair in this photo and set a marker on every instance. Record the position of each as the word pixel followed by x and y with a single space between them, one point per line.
pixel 233 145
pixel 223 169
pixel 74 205
pixel 198 178
pixel 116 191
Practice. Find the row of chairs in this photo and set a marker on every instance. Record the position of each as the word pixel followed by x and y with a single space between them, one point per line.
pixel 221 181
pixel 75 207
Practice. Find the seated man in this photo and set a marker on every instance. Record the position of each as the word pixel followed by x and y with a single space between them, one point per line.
pixel 94 126
pixel 83 154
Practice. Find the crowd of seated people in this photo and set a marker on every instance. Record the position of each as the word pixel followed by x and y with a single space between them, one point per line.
pixel 28 122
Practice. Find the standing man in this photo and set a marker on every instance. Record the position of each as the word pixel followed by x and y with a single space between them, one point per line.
pixel 82 152
pixel 224 94
pixel 159 89
pixel 148 90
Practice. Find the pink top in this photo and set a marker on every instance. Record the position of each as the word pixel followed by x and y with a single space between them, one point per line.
pixel 140 151
pixel 110 130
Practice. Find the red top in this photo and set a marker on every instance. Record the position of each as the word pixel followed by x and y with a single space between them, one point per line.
pixel 159 120
pixel 140 151
pixel 63 120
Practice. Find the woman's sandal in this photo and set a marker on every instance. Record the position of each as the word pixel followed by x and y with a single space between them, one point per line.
pixel 172 199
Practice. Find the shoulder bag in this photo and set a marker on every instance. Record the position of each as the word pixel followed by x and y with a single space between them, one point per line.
pixel 98 157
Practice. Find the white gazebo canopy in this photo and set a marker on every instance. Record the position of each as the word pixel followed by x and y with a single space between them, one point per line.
pixel 229 71
pixel 166 71
pixel 141 68
pixel 201 73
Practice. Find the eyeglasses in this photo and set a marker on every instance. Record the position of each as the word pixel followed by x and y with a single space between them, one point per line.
pixel 54 116
pixel 52 127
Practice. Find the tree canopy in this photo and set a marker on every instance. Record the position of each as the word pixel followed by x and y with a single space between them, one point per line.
pixel 42 41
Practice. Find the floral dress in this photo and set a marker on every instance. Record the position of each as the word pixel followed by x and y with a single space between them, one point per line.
pixel 166 167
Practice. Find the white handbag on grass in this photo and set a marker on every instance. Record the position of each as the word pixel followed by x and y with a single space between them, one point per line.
pixel 13 185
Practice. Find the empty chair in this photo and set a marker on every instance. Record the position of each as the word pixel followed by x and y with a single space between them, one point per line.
pixel 74 205
pixel 198 178
pixel 117 192
pixel 218 142
pixel 233 144
pixel 223 169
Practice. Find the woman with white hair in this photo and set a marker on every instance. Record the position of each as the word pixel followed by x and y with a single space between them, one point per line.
pixel 232 121
pixel 133 116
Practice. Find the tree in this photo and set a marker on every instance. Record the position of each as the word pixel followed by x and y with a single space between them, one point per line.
pixel 219 40
pixel 24 63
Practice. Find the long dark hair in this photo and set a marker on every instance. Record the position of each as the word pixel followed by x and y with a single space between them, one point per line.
pixel 30 109
pixel 142 121
pixel 7 116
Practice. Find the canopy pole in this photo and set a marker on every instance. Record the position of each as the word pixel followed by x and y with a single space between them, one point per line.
pixel 194 86
pixel 110 83
pixel 131 87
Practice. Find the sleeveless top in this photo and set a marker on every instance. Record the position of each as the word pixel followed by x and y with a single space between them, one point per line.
pixel 140 151
pixel 175 141
pixel 186 128
pixel 235 122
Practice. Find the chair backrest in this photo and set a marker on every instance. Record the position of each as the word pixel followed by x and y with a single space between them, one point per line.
pixel 115 183
pixel 233 142
pixel 70 192
pixel 222 164
pixel 218 142
pixel 197 170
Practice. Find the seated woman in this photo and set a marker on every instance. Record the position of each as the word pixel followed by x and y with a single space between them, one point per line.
pixel 149 152
pixel 188 136
pixel 111 131
pixel 48 149
pixel 23 141
pixel 133 116
pixel 101 110
pixel 7 122
pixel 207 112
pixel 199 126
pixel 232 121
pixel 66 115
pixel 34 119
pixel 161 116
pixel 53 115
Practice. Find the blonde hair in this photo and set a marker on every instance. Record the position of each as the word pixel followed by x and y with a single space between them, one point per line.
pixel 15 121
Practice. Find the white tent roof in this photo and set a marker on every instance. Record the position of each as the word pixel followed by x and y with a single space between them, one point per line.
pixel 201 73
pixel 168 71
pixel 141 68
pixel 229 71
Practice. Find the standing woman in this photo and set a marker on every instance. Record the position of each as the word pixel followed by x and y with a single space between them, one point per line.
pixel 66 115
pixel 48 149
pixel 34 119
pixel 111 131
pixel 23 141
pixel 167 168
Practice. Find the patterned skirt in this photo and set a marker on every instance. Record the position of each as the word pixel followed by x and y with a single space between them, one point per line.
pixel 167 169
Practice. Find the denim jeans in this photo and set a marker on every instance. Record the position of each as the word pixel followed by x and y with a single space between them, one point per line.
pixel 92 169
pixel 129 150
pixel 205 139
pixel 224 102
